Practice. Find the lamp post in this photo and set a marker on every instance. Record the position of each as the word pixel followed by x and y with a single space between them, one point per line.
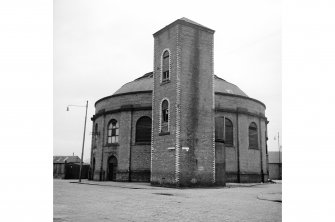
pixel 82 149
pixel 280 165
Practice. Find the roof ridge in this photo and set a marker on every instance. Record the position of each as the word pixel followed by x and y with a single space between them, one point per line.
pixel 192 22
pixel 230 83
pixel 148 74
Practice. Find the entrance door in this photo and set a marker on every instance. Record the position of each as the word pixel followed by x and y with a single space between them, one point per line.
pixel 93 169
pixel 112 168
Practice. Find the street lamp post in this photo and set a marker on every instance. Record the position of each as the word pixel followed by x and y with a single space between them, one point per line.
pixel 82 149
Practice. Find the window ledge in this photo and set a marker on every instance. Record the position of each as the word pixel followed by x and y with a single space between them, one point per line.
pixel 165 82
pixel 253 148
pixel 112 144
pixel 142 143
pixel 164 133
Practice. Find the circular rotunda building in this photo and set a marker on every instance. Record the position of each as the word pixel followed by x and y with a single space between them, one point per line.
pixel 180 125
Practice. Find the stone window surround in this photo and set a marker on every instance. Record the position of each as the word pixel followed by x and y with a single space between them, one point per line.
pixel 161 76
pixel 257 134
pixel 116 136
pixel 222 141
pixel 160 117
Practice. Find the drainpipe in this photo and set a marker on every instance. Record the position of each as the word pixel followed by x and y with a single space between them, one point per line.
pixel 224 148
pixel 238 149
pixel 130 143
pixel 102 148
pixel 261 148
pixel 92 146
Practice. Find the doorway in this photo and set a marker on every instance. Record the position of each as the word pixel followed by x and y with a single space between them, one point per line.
pixel 93 169
pixel 112 168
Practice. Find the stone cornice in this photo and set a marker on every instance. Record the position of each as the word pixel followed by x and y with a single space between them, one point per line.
pixel 241 111
pixel 122 94
pixel 239 96
pixel 150 91
pixel 122 109
pixel 141 108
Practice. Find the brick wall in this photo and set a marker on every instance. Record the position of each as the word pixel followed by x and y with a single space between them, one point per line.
pixel 249 159
pixel 139 99
pixel 192 69
pixel 140 153
pixel 163 160
pixel 191 107
pixel 196 76
pixel 140 156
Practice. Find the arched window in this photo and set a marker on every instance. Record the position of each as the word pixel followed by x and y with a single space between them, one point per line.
pixel 219 123
pixel 113 132
pixel 166 66
pixel 229 133
pixel 253 136
pixel 224 134
pixel 165 116
pixel 143 130
pixel 95 133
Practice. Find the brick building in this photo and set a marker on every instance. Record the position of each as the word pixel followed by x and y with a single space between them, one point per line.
pixel 275 165
pixel 180 125
pixel 67 167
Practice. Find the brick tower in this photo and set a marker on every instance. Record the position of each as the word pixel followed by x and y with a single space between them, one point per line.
pixel 183 148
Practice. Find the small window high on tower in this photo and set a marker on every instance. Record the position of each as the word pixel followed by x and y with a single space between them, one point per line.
pixel 166 66
pixel 165 116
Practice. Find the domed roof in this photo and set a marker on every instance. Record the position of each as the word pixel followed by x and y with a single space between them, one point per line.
pixel 144 83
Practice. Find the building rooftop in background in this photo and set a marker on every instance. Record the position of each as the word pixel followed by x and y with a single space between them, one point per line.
pixel 274 157
pixel 68 159
pixel 145 83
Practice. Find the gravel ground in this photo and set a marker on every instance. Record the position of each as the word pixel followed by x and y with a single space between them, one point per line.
pixel 113 201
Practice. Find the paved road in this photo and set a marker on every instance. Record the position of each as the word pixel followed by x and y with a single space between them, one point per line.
pixel 112 201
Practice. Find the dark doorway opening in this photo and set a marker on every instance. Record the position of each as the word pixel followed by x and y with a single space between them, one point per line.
pixel 93 169
pixel 112 168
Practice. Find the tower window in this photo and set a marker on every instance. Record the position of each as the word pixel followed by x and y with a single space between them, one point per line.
pixel 165 116
pixel 113 132
pixel 253 136
pixel 166 66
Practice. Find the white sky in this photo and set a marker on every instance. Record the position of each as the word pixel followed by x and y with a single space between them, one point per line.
pixel 101 45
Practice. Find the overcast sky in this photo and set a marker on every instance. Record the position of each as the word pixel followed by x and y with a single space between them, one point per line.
pixel 101 45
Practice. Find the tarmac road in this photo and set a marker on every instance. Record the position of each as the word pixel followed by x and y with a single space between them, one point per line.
pixel 115 201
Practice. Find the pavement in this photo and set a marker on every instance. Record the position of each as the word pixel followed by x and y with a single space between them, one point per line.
pixel 119 201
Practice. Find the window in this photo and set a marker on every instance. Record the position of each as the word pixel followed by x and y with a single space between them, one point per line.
pixel 143 130
pixel 229 133
pixel 219 123
pixel 165 116
pixel 113 132
pixel 253 136
pixel 166 66
pixel 224 134
pixel 95 133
